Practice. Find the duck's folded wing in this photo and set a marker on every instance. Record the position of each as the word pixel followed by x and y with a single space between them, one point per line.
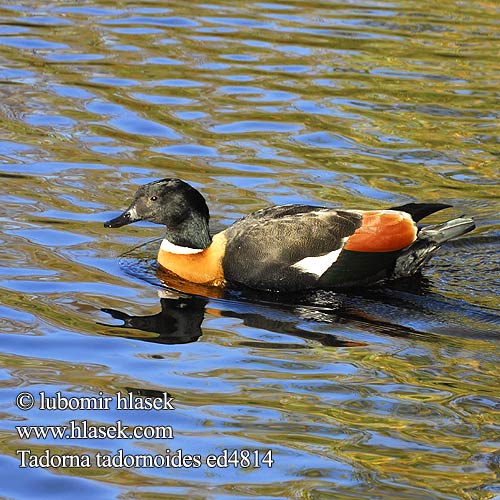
pixel 289 244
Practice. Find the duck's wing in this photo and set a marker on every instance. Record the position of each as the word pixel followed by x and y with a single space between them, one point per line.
pixel 293 247
pixel 288 246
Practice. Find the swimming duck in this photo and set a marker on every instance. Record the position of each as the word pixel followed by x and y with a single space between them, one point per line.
pixel 289 247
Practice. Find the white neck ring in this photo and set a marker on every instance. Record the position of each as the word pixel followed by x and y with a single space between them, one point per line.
pixel 167 246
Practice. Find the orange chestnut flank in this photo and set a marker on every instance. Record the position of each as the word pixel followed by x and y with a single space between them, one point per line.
pixel 289 247
pixel 383 231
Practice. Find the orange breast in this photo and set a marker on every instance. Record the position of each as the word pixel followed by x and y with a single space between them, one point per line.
pixel 383 231
pixel 203 267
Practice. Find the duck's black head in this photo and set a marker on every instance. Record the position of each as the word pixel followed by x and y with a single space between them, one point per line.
pixel 176 205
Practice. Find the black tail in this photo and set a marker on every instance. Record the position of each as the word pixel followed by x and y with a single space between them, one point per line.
pixel 439 233
pixel 429 239
pixel 420 210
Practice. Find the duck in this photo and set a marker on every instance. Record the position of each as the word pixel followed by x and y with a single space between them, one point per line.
pixel 289 248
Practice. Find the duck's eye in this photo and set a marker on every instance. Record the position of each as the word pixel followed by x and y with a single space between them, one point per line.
pixel 153 198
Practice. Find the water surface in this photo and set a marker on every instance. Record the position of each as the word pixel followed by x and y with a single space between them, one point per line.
pixel 384 393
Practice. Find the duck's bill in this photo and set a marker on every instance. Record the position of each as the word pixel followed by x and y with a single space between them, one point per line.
pixel 125 218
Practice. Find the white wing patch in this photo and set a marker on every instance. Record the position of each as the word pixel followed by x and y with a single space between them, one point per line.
pixel 319 265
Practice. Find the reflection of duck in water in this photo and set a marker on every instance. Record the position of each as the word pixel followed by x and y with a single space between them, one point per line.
pixel 293 315
pixel 289 247
pixel 180 319
pixel 178 322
